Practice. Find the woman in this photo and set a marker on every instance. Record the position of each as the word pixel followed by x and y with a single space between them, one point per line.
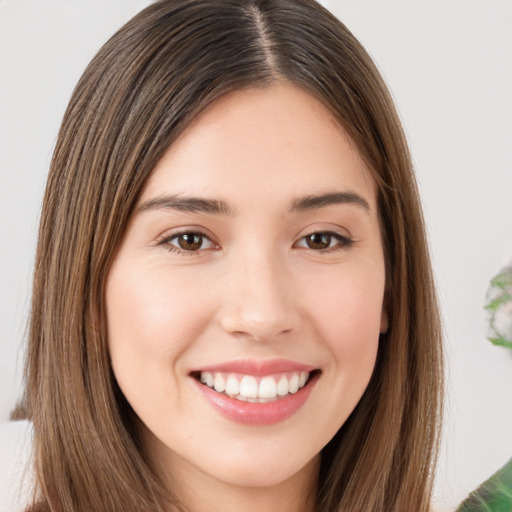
pixel 233 305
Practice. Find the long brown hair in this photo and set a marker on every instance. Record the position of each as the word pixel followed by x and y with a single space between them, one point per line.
pixel 134 99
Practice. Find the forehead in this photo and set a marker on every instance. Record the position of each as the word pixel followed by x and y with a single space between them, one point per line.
pixel 276 142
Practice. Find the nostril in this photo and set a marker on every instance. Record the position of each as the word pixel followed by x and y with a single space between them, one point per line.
pixel 257 328
pixel 261 315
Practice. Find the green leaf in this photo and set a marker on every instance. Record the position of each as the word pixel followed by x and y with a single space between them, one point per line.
pixel 501 342
pixel 496 303
pixel 494 495
pixel 503 279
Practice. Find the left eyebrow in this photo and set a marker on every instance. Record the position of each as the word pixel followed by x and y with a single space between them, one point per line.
pixel 319 201
pixel 186 204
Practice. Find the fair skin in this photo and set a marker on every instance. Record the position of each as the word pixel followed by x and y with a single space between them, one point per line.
pixel 280 278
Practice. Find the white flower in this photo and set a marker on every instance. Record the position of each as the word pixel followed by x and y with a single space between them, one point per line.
pixel 503 320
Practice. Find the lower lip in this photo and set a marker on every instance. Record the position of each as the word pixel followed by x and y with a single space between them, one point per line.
pixel 248 413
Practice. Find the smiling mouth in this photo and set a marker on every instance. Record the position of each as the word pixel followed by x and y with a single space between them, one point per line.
pixel 255 389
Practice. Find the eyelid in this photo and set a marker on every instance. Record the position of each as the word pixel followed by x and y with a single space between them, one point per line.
pixel 345 241
pixel 164 240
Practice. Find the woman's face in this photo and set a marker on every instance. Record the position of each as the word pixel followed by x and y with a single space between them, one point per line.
pixel 246 300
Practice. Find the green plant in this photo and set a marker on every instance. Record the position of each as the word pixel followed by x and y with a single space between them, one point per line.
pixel 495 494
pixel 499 306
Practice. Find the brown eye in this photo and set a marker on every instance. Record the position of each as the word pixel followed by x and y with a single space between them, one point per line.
pixel 325 241
pixel 190 241
pixel 318 241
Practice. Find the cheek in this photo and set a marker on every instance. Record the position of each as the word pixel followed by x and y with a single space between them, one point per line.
pixel 151 318
pixel 347 312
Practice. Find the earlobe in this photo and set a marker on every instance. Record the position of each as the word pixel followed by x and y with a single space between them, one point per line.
pixel 384 322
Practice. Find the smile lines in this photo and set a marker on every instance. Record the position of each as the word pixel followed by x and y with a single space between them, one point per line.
pixel 254 389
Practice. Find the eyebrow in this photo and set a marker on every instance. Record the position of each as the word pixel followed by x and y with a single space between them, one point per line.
pixel 186 204
pixel 218 207
pixel 319 201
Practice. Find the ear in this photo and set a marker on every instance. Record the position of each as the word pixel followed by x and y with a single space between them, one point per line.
pixel 384 316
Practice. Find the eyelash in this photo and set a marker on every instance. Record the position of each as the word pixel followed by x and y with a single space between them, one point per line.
pixel 343 242
pixel 166 242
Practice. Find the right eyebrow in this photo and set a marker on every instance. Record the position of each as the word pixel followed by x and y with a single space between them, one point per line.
pixel 186 204
pixel 319 201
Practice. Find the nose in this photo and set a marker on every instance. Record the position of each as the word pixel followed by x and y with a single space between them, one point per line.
pixel 259 300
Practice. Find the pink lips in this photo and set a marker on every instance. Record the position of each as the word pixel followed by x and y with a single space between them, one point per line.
pixel 267 413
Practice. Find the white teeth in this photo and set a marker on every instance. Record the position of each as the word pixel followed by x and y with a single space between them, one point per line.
pixel 249 387
pixel 207 378
pixel 267 388
pixel 219 384
pixel 232 386
pixel 254 389
pixel 293 384
pixel 282 386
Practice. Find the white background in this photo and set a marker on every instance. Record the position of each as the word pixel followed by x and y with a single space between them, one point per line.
pixel 449 66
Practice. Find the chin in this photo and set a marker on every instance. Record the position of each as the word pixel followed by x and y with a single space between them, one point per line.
pixel 256 472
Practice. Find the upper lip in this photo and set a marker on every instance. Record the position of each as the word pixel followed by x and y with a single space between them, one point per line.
pixel 258 368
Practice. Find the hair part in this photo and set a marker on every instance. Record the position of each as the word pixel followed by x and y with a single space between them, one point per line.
pixel 141 91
